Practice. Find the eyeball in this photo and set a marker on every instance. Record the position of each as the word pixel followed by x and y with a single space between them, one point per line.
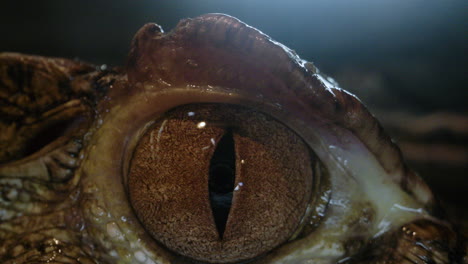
pixel 220 183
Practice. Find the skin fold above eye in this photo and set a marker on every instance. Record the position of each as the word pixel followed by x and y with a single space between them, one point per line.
pixel 71 197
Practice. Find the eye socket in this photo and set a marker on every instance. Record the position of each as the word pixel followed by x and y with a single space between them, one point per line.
pixel 220 183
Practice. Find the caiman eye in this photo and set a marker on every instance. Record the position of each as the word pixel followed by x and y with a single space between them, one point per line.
pixel 220 145
pixel 219 182
pixel 216 144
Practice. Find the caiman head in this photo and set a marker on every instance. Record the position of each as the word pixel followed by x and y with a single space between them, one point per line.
pixel 215 144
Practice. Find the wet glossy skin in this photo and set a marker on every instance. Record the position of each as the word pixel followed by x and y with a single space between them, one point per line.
pixel 70 131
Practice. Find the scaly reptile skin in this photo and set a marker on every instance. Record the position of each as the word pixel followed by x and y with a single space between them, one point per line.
pixel 70 133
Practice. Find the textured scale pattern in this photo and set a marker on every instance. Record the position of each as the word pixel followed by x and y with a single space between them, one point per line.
pixel 68 132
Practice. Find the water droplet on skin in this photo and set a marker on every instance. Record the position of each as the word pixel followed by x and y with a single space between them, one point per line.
pixel 113 231
pixel 140 256
pixel 97 211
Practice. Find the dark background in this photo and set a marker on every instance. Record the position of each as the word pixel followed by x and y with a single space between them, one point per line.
pixel 416 47
pixel 406 59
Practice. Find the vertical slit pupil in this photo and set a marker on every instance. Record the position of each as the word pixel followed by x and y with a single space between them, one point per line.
pixel 221 180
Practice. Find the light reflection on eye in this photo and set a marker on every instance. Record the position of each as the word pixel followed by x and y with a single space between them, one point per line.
pixel 201 124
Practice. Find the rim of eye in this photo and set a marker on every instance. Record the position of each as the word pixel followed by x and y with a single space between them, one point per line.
pixel 230 190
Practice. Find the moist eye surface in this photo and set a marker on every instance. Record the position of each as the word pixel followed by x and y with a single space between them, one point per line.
pixel 220 183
